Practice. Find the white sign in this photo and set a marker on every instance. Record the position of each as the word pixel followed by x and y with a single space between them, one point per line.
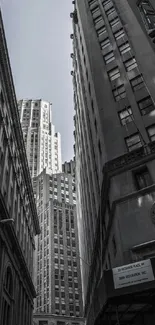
pixel 131 274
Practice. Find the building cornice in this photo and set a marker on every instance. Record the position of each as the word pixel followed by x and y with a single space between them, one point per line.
pixel 130 160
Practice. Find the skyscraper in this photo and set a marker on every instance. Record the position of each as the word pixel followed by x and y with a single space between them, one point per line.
pixel 114 97
pixel 57 261
pixel 43 144
pixel 69 167
pixel 58 246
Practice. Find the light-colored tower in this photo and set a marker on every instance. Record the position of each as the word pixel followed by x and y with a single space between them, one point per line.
pixel 43 144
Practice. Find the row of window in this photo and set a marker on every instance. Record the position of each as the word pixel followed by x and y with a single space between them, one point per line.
pixel 135 141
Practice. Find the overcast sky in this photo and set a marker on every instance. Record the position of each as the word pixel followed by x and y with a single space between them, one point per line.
pixel 38 37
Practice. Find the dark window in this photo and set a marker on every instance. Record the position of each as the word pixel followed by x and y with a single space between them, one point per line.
pixel 114 22
pixel 56 293
pixel 146 105
pixel 119 34
pixel 43 322
pixel 57 306
pixel 98 20
pixel 109 260
pixel 124 48
pixel 99 147
pixel 109 57
pixel 142 178
pixel 101 31
pixel 105 43
pixel 92 105
pixel 95 10
pixel 133 142
pixel 137 83
pixel 92 2
pixel 130 64
pixel 114 74
pixel 114 246
pixel 151 132
pixel 126 116
pixel 71 307
pixel 119 93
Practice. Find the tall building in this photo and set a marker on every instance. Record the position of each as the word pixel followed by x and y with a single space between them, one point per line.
pixel 57 263
pixel 18 215
pixel 57 266
pixel 69 167
pixel 43 144
pixel 114 97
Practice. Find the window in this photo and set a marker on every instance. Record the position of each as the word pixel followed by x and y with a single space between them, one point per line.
pixel 147 13
pixel 114 74
pixel 109 57
pixel 101 31
pixel 146 105
pixel 119 34
pixel 124 48
pixel 130 64
pixel 137 83
pixel 142 178
pixel 151 132
pixel 106 2
pixel 114 246
pixel 126 116
pixel 99 148
pixel 110 12
pixel 91 2
pixel 43 322
pixel 119 93
pixel 95 10
pixel 114 22
pixel 105 43
pixel 133 142
pixel 56 306
pixel 98 20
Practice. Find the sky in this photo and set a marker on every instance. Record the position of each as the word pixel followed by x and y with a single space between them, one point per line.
pixel 39 44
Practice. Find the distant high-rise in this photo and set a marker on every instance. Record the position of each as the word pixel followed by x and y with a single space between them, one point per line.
pixel 57 263
pixel 114 98
pixel 43 144
pixel 69 167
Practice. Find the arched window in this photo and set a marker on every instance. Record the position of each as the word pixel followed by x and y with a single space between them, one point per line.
pixel 7 297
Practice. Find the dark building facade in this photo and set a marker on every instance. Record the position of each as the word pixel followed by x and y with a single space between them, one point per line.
pixel 18 215
pixel 57 261
pixel 114 97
